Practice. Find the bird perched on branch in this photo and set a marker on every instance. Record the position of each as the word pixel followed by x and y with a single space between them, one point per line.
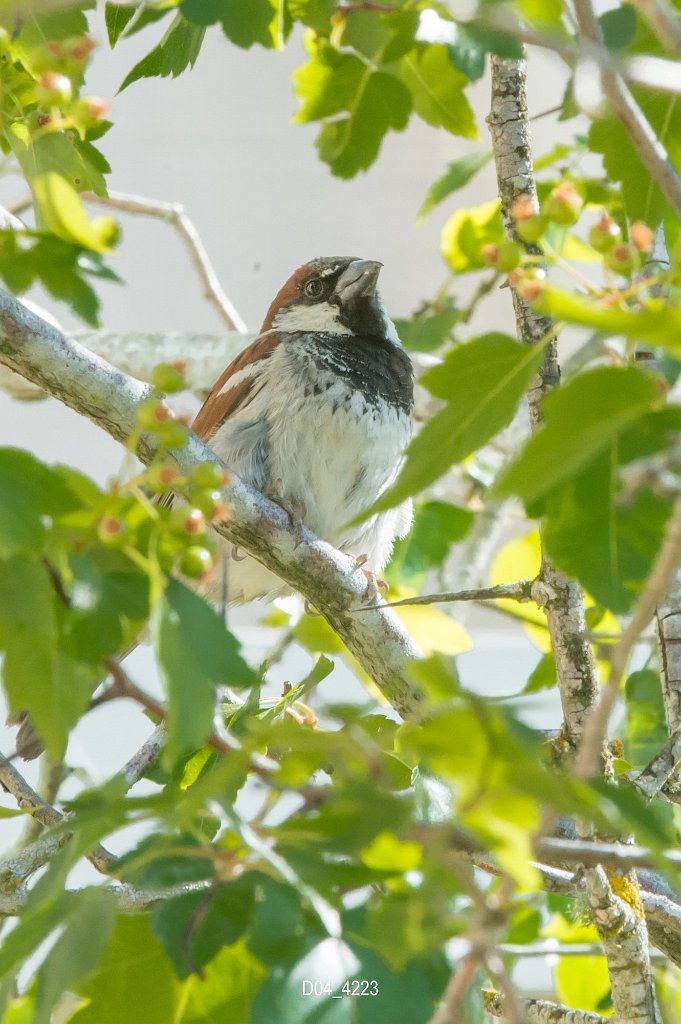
pixel 316 413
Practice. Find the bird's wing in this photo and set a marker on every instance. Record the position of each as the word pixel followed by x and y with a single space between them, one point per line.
pixel 238 436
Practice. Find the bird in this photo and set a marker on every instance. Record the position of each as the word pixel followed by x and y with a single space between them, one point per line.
pixel 316 413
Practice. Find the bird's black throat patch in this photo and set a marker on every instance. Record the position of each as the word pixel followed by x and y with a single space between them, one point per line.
pixel 379 369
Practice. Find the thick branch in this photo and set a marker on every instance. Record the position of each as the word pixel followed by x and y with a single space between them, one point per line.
pixel 561 598
pixel 28 799
pixel 621 925
pixel 329 580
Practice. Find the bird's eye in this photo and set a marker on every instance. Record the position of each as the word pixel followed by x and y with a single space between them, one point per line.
pixel 314 288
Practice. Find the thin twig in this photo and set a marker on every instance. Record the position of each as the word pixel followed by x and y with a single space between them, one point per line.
pixel 125 687
pixel 652 153
pixel 29 800
pixel 519 591
pixel 538 1011
pixel 176 215
pixel 663 20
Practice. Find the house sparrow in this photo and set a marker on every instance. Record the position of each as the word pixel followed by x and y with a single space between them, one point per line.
pixel 316 413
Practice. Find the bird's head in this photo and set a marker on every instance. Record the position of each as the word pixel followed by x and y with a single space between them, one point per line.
pixel 332 295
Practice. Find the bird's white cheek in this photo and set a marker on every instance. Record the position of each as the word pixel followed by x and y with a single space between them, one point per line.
pixel 321 318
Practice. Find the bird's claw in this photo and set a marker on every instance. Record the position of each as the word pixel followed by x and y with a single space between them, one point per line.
pixel 294 507
pixel 235 554
pixel 309 610
pixel 374 584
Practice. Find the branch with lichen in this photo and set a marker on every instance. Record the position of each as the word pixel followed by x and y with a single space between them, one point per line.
pixel 538 1011
pixel 563 601
pixel 560 598
pixel 330 580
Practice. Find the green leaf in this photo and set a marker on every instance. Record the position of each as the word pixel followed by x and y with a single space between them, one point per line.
pixel 143 988
pixel 162 861
pixel 618 27
pixel 139 988
pixel 196 653
pixel 278 926
pixel 314 13
pixel 328 83
pixel 28 257
pixel 482 382
pixel 117 17
pixel 466 232
pixel 542 677
pixel 259 21
pixel 582 981
pixel 437 525
pixel 581 419
pixel 195 926
pixel 608 544
pixel 226 992
pixel 458 174
pixel 429 332
pixel 467 54
pixel 77 952
pixel 29 492
pixel 28 636
pixel 646 731
pixel 61 211
pixel 503 44
pixel 659 324
pixel 407 995
pixel 643 199
pixel 351 144
pixel 79 163
pixel 437 89
pixel 177 51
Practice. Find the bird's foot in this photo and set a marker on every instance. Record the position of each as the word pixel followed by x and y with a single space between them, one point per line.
pixel 374 584
pixel 294 507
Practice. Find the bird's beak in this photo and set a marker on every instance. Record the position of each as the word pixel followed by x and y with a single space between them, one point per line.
pixel 358 279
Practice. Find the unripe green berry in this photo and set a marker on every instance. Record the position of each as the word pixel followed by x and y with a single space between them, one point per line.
pixel 533 228
pixel 210 475
pixel 112 531
pixel 167 379
pixel 604 234
pixel 505 256
pixel 622 258
pixel 563 204
pixel 187 520
pixel 196 561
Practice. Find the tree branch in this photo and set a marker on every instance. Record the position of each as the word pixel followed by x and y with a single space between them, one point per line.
pixel 560 598
pixel 28 799
pixel 653 155
pixel 621 924
pixel 329 579
pixel 175 215
pixel 518 591
pixel 663 20
pixel 538 1011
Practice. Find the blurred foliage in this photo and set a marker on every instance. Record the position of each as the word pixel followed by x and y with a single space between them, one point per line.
pixel 338 897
